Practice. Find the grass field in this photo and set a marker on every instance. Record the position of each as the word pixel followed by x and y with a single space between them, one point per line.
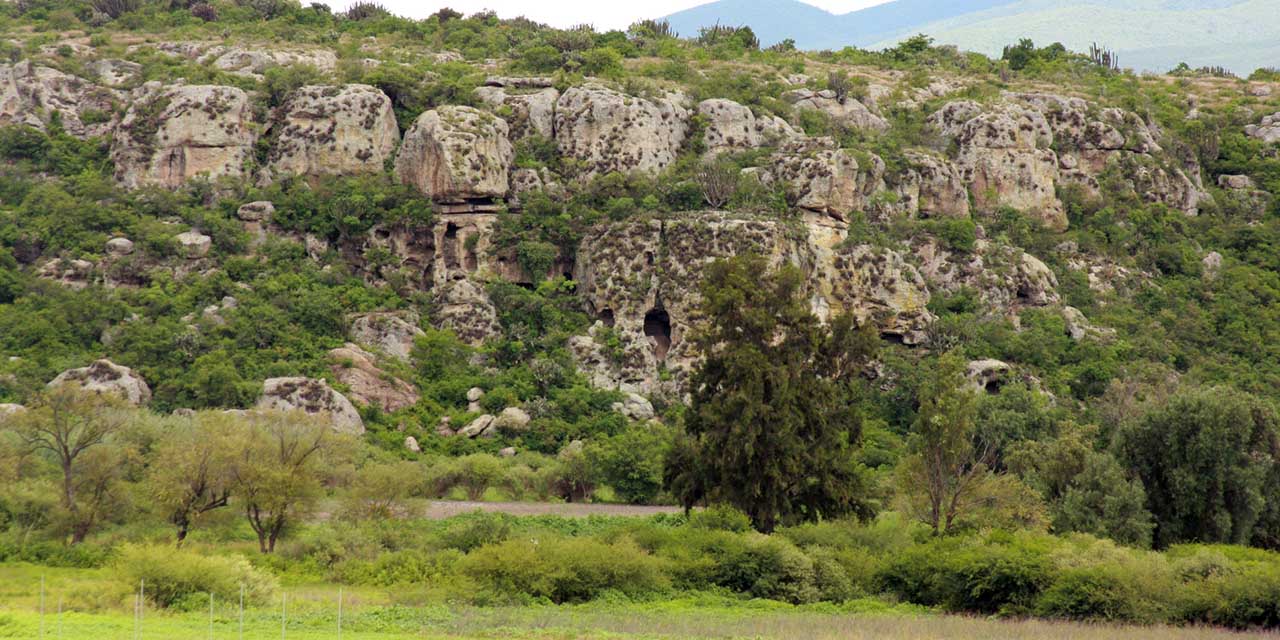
pixel 94 609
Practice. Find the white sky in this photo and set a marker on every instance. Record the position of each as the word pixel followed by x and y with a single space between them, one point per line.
pixel 603 14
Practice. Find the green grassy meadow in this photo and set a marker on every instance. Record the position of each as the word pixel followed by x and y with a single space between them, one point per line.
pixel 89 604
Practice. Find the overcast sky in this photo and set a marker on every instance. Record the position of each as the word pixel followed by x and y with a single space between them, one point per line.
pixel 603 14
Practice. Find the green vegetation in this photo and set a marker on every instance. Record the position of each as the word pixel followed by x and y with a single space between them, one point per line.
pixel 1121 465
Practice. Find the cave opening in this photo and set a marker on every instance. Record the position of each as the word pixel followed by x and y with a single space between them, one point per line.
pixel 450 248
pixel 657 326
pixel 606 317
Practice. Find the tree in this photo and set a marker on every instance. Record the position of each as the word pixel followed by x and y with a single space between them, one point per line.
pixel 277 471
pixel 772 429
pixel 191 470
pixel 74 427
pixel 947 470
pixel 1205 458
pixel 631 462
pixel 1087 490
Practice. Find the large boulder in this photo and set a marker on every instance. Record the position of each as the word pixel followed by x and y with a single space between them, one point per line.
pixel 878 286
pixel 314 397
pixel 254 61
pixel 819 176
pixel 1005 156
pixel 463 307
pixel 1003 276
pixel 527 112
pixel 456 154
pixel 31 95
pixel 848 112
pixel 334 130
pixel 732 128
pixel 170 135
pixel 1267 130
pixel 391 332
pixel 931 187
pixel 367 383
pixel 605 131
pixel 107 377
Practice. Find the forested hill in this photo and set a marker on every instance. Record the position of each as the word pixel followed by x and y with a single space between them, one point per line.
pixel 467 236
pixel 1149 35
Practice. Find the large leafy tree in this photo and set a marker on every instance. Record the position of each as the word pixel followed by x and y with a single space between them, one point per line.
pixel 1206 458
pixel 771 428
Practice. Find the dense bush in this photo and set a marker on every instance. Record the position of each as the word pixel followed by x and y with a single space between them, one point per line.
pixel 176 578
pixel 564 570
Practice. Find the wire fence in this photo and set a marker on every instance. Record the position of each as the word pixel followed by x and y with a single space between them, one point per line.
pixel 51 624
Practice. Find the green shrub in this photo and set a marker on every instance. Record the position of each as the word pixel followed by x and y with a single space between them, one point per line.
pixel 1103 592
pixel 175 578
pixel 720 517
pixel 566 569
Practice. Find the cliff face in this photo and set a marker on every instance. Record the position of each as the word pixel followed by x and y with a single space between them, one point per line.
pixel 638 277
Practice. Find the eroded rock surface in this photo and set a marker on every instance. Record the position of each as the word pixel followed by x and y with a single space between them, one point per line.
pixel 173 134
pixel 107 377
pixel 605 130
pixel 334 130
pixel 456 154
pixel 313 397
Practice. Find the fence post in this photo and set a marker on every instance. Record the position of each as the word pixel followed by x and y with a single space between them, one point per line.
pixel 241 611
pixel 284 616
pixel 210 615
pixel 339 613
pixel 42 607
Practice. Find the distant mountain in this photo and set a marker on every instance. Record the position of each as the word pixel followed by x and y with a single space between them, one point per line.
pixel 1155 35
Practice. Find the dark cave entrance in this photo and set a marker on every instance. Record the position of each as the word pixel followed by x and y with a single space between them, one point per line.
pixel 657 326
pixel 451 249
pixel 606 317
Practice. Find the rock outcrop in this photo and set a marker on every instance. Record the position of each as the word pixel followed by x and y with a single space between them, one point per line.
pixel 107 377
pixel 391 332
pixel 173 134
pixel 640 279
pixel 931 187
pixel 849 112
pixel 334 130
pixel 31 94
pixel 529 108
pixel 463 307
pixel 1005 156
pixel 1004 277
pixel 819 176
pixel 367 383
pixel 456 155
pixel 733 128
pixel 1267 130
pixel 313 397
pixel 604 130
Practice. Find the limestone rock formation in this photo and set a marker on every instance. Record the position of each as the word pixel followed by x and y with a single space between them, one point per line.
pixel 732 128
pixel 988 375
pixel 848 113
pixel 391 332
pixel 640 279
pixel 31 94
pixel 512 419
pixel 254 61
pixel 194 244
pixel 1267 130
pixel 119 247
pixel 1004 277
pixel 334 130
pixel 107 377
pixel 463 307
pixel 605 130
pixel 635 407
pixel 931 187
pixel 482 426
pixel 1005 157
pixel 116 73
pixel 369 384
pixel 528 107
pixel 819 176
pixel 456 154
pixel 172 134
pixel 314 397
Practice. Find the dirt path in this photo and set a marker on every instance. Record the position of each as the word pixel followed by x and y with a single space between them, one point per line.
pixel 441 509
